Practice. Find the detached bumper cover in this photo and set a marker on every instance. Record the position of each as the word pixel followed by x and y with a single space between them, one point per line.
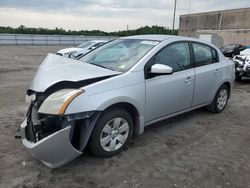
pixel 54 150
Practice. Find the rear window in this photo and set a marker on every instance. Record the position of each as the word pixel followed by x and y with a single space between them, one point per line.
pixel 204 54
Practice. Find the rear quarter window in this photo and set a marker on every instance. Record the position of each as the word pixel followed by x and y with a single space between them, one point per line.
pixel 215 55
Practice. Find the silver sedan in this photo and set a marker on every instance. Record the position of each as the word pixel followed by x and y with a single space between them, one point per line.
pixel 113 92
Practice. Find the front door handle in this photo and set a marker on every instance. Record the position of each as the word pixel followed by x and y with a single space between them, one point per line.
pixel 188 79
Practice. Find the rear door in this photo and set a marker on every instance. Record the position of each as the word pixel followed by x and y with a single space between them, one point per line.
pixel 208 73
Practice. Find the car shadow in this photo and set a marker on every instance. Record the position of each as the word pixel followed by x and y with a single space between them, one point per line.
pixel 178 118
pixel 150 132
pixel 244 81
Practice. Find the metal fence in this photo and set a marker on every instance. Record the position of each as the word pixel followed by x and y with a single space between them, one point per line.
pixel 33 39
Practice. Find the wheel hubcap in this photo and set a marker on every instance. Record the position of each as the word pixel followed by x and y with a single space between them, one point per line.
pixel 222 99
pixel 114 134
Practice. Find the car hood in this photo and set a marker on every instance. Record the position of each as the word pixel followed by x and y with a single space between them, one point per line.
pixel 245 52
pixel 226 49
pixel 67 50
pixel 55 69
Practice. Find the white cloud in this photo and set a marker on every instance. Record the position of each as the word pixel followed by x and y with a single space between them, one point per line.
pixel 107 15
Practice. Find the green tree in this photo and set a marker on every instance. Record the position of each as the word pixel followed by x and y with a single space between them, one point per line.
pixel 60 31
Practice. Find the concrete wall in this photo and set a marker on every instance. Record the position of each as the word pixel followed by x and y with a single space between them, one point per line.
pixel 195 22
pixel 233 26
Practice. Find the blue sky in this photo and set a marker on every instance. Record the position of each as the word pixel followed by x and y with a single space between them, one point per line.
pixel 107 15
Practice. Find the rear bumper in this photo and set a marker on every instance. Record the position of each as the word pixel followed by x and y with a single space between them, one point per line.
pixel 54 150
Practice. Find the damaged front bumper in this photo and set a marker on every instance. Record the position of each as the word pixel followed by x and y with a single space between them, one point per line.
pixel 242 68
pixel 54 150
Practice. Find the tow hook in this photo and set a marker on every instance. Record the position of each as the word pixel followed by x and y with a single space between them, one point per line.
pixel 17 137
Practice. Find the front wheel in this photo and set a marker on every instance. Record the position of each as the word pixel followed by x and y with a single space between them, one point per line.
pixel 112 133
pixel 220 100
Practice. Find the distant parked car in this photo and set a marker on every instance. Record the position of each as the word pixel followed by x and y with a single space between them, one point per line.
pixel 242 64
pixel 230 50
pixel 113 92
pixel 82 49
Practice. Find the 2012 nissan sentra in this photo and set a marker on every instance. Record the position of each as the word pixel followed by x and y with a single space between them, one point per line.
pixel 105 97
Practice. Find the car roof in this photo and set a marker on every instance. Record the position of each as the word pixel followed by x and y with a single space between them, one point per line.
pixel 156 37
pixel 161 38
pixel 96 41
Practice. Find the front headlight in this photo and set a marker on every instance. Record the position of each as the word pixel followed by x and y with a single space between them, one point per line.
pixel 58 102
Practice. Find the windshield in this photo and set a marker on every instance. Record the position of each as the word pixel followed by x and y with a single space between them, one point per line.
pixel 85 44
pixel 119 55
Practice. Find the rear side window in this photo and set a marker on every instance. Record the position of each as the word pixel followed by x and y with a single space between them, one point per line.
pixel 204 55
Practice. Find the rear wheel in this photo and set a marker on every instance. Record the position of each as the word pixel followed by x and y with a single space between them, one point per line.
pixel 112 133
pixel 220 100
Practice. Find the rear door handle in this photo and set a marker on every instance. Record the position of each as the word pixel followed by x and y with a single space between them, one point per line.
pixel 217 72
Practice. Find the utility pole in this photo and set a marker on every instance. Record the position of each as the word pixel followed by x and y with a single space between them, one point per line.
pixel 175 1
pixel 127 29
pixel 189 7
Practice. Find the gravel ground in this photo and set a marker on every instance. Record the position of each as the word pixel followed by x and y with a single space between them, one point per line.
pixel 197 149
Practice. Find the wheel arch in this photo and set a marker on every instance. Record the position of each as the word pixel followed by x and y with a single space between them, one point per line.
pixel 228 84
pixel 132 110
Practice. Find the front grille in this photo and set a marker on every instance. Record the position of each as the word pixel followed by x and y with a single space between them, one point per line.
pixel 40 126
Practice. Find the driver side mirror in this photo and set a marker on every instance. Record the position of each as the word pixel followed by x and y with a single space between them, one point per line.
pixel 160 69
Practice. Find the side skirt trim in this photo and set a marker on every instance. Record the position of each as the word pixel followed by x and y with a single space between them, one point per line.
pixel 175 114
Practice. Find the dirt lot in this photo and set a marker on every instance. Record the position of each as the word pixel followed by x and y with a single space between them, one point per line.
pixel 197 149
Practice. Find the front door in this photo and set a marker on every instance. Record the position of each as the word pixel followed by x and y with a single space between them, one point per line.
pixel 168 94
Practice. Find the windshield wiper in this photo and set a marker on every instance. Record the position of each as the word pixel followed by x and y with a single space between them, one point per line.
pixel 98 65
pixel 103 66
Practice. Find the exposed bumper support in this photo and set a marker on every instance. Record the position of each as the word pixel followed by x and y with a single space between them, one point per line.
pixel 54 150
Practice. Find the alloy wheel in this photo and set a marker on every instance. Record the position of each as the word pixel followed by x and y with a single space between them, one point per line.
pixel 222 99
pixel 114 134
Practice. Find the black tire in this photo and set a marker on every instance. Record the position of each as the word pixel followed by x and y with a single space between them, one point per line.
pixel 213 107
pixel 107 116
pixel 238 78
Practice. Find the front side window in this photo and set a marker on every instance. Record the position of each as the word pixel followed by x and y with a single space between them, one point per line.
pixel 119 55
pixel 204 55
pixel 86 44
pixel 176 56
